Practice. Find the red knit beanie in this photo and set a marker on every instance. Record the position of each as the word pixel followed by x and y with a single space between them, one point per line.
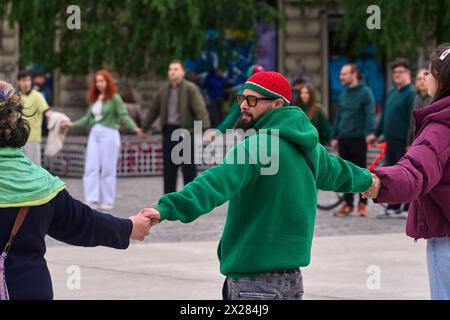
pixel 270 84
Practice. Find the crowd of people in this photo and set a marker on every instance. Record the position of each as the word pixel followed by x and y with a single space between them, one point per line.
pixel 268 232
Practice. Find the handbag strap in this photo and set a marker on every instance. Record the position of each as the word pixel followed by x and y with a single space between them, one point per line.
pixel 17 224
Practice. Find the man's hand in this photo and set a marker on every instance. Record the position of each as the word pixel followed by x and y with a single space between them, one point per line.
pixel 210 135
pixel 371 138
pixel 374 189
pixel 152 214
pixel 334 143
pixel 141 227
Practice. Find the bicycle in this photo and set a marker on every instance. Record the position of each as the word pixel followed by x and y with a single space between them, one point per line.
pixel 334 199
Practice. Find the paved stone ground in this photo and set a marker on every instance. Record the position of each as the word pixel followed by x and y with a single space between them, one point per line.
pixel 179 261
pixel 136 193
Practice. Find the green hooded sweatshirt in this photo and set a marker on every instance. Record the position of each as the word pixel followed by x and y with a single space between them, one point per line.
pixel 270 219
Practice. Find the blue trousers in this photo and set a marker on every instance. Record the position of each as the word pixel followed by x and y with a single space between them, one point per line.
pixel 438 262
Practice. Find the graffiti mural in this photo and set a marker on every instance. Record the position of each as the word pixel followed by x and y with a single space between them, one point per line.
pixel 230 64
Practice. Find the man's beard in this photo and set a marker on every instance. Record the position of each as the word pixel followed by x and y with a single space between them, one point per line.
pixel 246 124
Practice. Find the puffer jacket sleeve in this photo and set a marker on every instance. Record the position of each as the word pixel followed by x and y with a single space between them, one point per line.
pixel 420 170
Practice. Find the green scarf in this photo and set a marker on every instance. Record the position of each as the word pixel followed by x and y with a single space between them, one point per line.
pixel 23 183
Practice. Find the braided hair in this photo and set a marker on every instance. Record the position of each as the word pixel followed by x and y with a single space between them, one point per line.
pixel 14 129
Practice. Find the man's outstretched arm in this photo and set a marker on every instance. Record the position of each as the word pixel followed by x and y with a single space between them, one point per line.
pixel 339 175
pixel 209 190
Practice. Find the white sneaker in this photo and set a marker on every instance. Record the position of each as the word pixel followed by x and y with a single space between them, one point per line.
pixel 388 214
pixel 106 207
pixel 91 205
pixel 401 215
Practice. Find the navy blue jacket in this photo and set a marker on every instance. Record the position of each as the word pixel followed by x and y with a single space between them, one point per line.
pixel 65 219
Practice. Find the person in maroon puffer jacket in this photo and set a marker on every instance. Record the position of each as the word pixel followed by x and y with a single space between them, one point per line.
pixel 422 176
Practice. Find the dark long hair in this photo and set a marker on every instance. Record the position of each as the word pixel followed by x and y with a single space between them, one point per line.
pixel 440 69
pixel 312 106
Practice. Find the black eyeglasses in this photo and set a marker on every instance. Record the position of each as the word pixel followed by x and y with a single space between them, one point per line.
pixel 252 101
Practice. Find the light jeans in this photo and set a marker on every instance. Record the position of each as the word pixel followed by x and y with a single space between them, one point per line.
pixel 33 152
pixel 438 262
pixel 100 169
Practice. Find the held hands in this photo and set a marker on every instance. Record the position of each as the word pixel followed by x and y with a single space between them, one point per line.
pixel 142 222
pixel 141 134
pixel 141 227
pixel 374 189
pixel 152 214
pixel 210 135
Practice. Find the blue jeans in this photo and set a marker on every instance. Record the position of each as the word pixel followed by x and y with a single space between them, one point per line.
pixel 278 285
pixel 438 262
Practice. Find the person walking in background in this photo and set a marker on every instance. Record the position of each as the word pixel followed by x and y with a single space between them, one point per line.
pixel 394 124
pixel 35 108
pixel 215 87
pixel 422 176
pixel 37 204
pixel 178 103
pixel 309 103
pixel 421 100
pixel 40 85
pixel 352 128
pixel 105 115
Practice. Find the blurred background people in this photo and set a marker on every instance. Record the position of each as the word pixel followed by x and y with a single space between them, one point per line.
pixel 35 108
pixel 352 128
pixel 394 124
pixel 308 101
pixel 178 103
pixel 105 114
pixel 421 100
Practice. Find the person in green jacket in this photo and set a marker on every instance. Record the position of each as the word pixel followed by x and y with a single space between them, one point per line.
pixel 309 103
pixel 272 204
pixel 105 115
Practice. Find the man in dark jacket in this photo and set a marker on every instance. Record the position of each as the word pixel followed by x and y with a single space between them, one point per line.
pixel 353 124
pixel 394 124
pixel 178 103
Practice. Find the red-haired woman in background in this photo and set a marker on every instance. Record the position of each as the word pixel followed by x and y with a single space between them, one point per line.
pixel 105 115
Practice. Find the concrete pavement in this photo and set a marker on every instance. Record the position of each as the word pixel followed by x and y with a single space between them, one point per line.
pixel 190 270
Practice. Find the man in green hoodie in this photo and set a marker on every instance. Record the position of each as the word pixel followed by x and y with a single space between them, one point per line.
pixel 272 204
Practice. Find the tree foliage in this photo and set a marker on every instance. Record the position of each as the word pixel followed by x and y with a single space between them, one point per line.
pixel 131 36
pixel 406 25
